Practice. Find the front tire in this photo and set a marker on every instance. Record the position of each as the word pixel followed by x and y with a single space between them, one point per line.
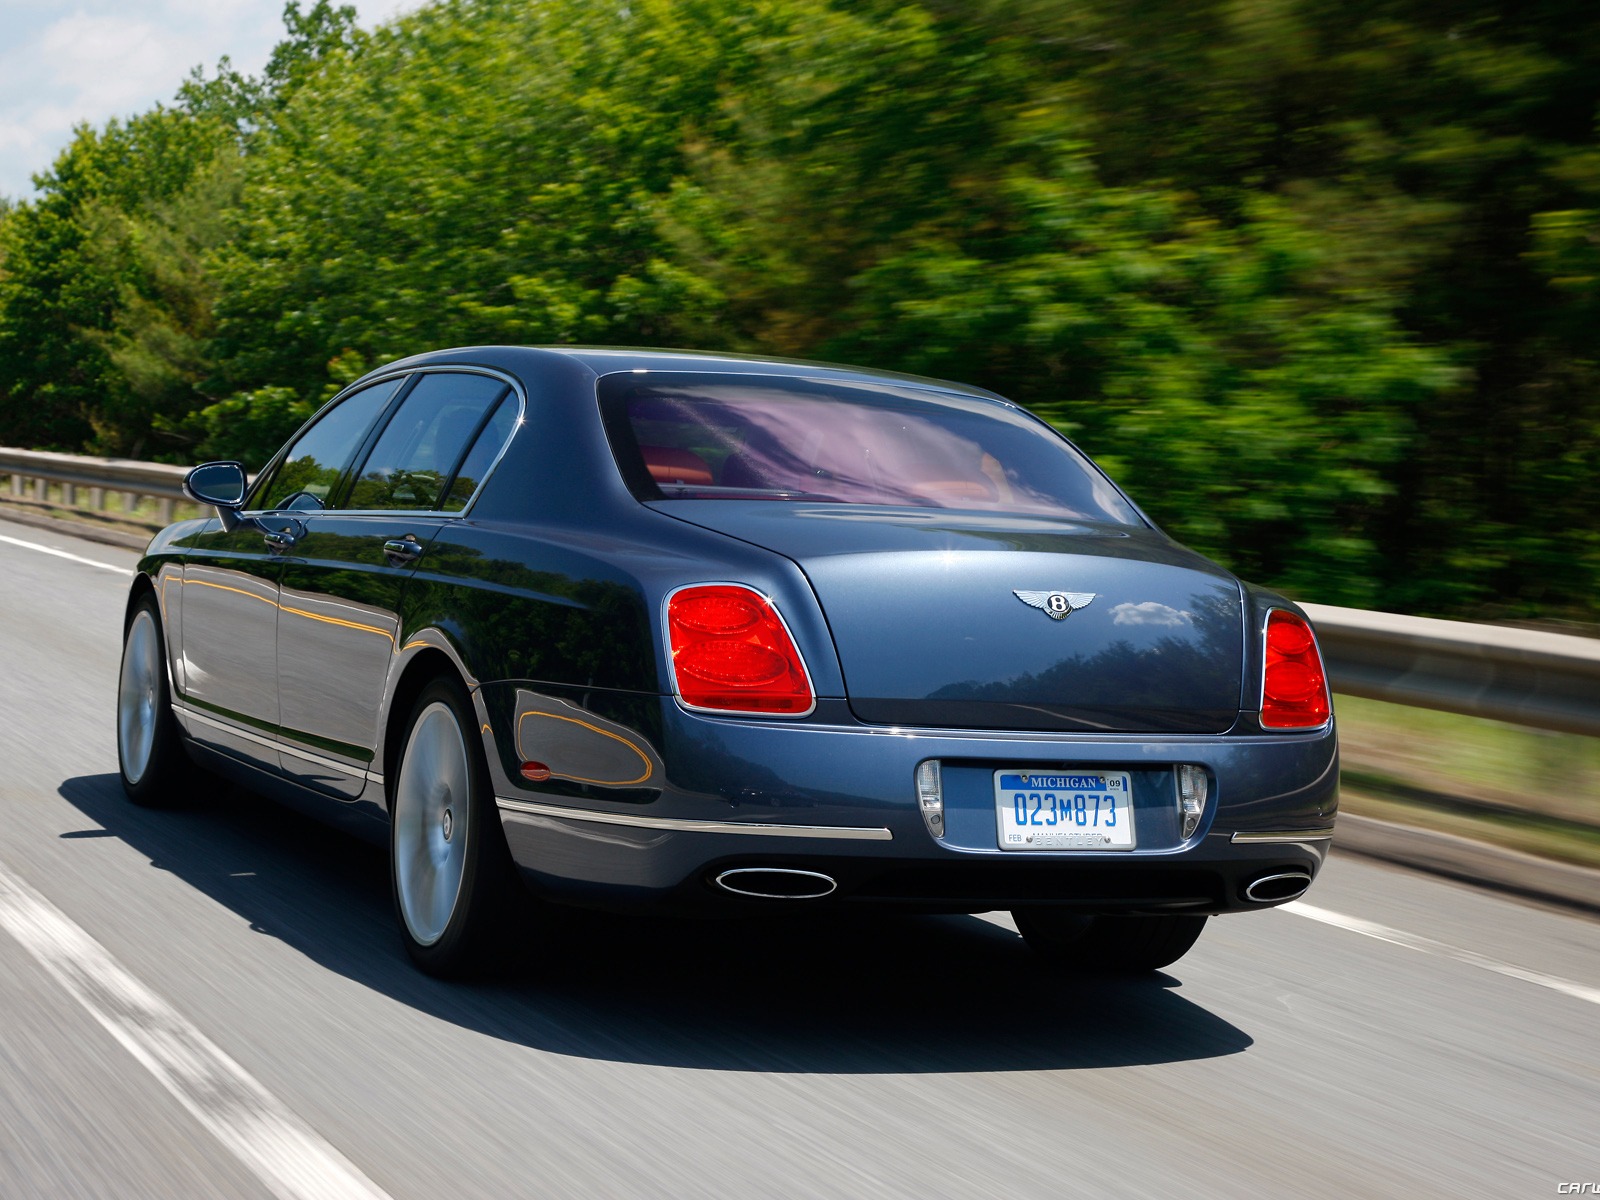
pixel 155 767
pixel 453 882
pixel 1088 944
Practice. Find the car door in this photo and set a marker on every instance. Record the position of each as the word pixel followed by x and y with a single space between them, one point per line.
pixel 226 688
pixel 228 666
pixel 343 581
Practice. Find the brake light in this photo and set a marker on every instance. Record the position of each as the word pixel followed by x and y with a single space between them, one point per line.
pixel 731 652
pixel 1294 686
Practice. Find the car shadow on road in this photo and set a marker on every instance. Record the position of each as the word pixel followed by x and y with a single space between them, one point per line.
pixel 849 992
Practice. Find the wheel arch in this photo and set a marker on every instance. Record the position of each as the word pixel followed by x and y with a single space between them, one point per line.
pixel 141 586
pixel 168 618
pixel 422 668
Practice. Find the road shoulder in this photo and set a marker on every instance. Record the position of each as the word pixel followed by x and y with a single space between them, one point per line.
pixel 1543 880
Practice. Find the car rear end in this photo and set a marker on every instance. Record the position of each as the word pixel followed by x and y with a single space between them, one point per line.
pixel 970 674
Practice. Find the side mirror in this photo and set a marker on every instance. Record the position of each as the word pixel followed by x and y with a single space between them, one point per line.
pixel 221 485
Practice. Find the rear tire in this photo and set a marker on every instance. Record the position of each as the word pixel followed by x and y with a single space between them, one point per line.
pixel 455 888
pixel 156 769
pixel 1081 942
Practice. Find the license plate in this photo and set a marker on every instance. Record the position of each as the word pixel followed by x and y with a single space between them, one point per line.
pixel 1064 810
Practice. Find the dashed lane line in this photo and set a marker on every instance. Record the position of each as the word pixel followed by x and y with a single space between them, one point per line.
pixel 1412 941
pixel 278 1147
pixel 88 562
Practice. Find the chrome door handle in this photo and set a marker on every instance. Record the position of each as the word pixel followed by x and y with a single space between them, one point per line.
pixel 278 539
pixel 405 550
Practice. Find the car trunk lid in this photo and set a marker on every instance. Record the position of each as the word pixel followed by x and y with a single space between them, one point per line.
pixel 946 618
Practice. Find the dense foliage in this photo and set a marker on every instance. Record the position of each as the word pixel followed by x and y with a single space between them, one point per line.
pixel 1317 282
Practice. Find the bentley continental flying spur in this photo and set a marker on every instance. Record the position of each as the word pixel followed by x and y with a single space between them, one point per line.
pixel 705 633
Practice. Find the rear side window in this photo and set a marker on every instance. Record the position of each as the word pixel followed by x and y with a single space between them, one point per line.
pixel 414 461
pixel 483 454
pixel 748 437
pixel 318 457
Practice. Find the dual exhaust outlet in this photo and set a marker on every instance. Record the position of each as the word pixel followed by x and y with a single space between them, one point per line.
pixel 788 883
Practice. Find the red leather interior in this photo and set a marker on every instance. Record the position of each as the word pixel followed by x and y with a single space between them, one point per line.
pixel 668 464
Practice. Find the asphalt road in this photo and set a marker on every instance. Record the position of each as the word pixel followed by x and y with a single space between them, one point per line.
pixel 1393 1036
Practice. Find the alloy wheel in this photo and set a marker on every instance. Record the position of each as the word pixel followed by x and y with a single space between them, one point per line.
pixel 139 696
pixel 432 823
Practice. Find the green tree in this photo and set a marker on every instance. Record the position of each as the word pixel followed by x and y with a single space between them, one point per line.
pixel 157 345
pixel 1284 241
pixel 60 282
pixel 106 292
pixel 476 174
pixel 1317 281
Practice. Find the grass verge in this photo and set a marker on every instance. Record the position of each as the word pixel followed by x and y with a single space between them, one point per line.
pixel 1508 785
pixel 1526 832
pixel 145 520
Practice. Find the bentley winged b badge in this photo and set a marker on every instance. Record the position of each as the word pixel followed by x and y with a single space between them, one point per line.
pixel 1058 606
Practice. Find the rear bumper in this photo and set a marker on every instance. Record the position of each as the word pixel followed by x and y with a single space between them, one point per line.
pixel 678 872
pixel 838 798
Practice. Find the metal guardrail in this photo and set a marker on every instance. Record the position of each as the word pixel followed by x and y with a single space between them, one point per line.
pixel 1546 680
pixel 1526 676
pixel 33 471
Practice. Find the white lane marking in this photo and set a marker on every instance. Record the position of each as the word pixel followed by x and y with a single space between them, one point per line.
pixel 1412 941
pixel 283 1151
pixel 88 562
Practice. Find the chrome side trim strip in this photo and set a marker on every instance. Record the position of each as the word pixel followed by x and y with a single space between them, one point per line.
pixel 1273 836
pixel 265 742
pixel 229 727
pixel 316 760
pixel 838 833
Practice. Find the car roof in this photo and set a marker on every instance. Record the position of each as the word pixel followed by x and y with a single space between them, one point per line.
pixel 531 361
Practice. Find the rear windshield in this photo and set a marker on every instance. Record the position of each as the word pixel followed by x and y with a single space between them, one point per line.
pixel 743 437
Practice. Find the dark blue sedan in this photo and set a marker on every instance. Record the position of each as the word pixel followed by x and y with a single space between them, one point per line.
pixel 707 633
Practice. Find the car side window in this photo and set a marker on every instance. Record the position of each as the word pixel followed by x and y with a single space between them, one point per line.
pixel 312 465
pixel 483 453
pixel 415 457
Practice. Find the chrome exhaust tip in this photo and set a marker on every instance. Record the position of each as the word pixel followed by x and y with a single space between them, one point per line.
pixel 1271 889
pixel 1279 887
pixel 776 883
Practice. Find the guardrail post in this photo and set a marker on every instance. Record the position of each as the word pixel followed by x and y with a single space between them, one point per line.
pixel 97 499
pixel 19 485
pixel 166 511
pixel 130 502
pixel 69 495
pixel 41 490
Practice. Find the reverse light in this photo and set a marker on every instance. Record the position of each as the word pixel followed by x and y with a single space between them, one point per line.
pixel 731 652
pixel 1294 686
pixel 1191 798
pixel 930 796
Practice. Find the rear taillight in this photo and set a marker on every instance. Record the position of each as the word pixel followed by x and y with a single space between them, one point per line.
pixel 731 652
pixel 1294 687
